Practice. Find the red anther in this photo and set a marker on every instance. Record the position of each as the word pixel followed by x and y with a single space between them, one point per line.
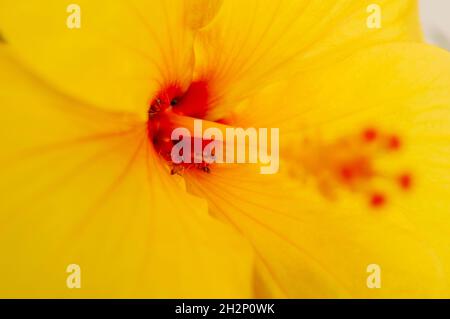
pixel 405 181
pixel 394 142
pixel 347 173
pixel 370 134
pixel 377 200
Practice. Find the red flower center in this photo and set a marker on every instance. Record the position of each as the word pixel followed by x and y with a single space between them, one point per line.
pixel 171 103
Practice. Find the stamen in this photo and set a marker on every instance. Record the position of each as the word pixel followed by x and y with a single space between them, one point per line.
pixel 351 163
pixel 405 181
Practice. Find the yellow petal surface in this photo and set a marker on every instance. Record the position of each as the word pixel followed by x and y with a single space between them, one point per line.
pixel 310 248
pixel 81 186
pixel 252 43
pixel 320 246
pixel 121 55
pixel 404 89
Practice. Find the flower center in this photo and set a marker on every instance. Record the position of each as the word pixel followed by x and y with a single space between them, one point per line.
pixel 170 106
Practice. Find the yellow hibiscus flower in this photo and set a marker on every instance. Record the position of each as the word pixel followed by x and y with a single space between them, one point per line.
pixel 85 177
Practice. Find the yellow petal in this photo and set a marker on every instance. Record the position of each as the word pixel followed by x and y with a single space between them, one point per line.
pixel 252 43
pixel 121 55
pixel 200 12
pixel 82 186
pixel 311 248
pixel 404 89
pixel 320 246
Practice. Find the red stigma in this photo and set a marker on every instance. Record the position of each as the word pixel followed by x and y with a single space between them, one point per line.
pixel 377 200
pixel 405 181
pixel 370 134
pixel 352 162
pixel 356 169
pixel 394 142
pixel 347 173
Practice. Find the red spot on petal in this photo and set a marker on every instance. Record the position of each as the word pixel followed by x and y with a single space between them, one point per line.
pixel 405 181
pixel 377 200
pixel 370 134
pixel 347 173
pixel 394 142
